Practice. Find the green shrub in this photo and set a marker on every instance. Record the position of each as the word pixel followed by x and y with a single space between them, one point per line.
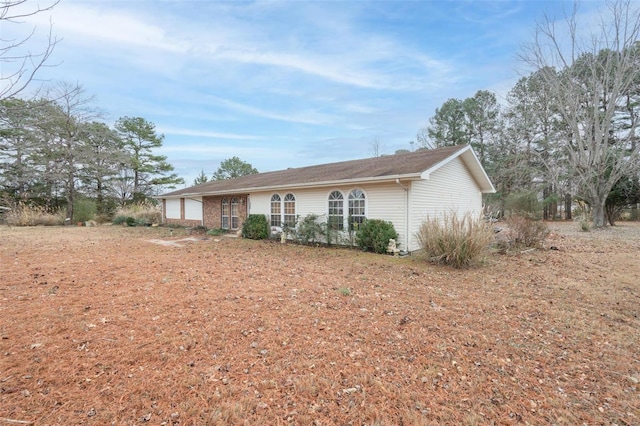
pixel 455 241
pixel 308 230
pixel 524 202
pixel 131 221
pixel 217 231
pixel 119 220
pixel 84 209
pixel 256 227
pixel 525 231
pixel 374 235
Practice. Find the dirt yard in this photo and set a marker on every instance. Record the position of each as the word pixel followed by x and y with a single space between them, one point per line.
pixel 104 326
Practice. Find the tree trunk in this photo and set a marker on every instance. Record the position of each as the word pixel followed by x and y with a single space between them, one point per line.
pixel 599 214
pixel 71 193
pixel 567 206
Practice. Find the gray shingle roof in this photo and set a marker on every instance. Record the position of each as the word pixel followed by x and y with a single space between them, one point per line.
pixel 390 166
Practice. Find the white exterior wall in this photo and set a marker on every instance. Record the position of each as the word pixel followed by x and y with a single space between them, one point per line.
pixel 173 208
pixel 193 208
pixel 383 201
pixel 259 203
pixel 451 188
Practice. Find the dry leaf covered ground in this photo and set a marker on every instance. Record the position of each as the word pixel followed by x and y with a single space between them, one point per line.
pixel 103 326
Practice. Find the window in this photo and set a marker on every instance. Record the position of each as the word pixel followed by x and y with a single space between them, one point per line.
pixel 235 217
pixel 290 210
pixel 356 208
pixel 336 211
pixel 225 214
pixel 276 210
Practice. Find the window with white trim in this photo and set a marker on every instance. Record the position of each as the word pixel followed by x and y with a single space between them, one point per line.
pixel 276 210
pixel 235 216
pixel 289 218
pixel 336 211
pixel 225 214
pixel 357 204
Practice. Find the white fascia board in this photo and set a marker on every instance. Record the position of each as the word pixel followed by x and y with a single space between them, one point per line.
pixel 381 179
pixel 471 160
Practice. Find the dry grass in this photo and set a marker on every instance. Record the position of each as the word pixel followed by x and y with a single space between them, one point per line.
pixel 100 326
pixel 144 212
pixel 22 214
pixel 455 241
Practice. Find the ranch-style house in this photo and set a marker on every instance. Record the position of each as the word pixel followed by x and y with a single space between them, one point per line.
pixel 404 189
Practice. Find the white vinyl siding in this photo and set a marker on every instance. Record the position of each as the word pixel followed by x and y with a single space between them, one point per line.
pixel 173 208
pixel 383 201
pixel 193 208
pixel 388 202
pixel 448 189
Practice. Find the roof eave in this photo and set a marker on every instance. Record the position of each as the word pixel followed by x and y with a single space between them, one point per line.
pixel 469 157
pixel 377 179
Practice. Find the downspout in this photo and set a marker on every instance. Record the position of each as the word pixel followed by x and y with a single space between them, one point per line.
pixel 406 214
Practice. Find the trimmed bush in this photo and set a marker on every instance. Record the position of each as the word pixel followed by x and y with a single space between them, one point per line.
pixel 455 241
pixel 374 235
pixel 256 227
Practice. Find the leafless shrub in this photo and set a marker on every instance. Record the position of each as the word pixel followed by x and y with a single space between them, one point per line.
pixel 524 232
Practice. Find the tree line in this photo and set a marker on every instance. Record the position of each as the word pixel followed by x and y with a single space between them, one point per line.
pixel 569 129
pixel 54 149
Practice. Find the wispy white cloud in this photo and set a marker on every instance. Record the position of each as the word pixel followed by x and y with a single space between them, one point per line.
pixel 283 83
pixel 93 21
pixel 206 134
pixel 305 117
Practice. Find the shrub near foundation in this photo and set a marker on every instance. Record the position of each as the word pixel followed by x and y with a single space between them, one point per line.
pixel 456 241
pixel 374 235
pixel 256 227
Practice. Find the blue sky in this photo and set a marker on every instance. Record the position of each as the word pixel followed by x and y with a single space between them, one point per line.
pixel 286 84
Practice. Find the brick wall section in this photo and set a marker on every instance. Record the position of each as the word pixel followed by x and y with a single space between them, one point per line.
pixel 182 222
pixel 212 210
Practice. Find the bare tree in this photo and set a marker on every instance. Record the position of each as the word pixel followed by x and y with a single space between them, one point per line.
pixel 71 111
pixel 20 64
pixel 590 76
pixel 376 147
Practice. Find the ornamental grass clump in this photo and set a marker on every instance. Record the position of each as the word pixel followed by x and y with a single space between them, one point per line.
pixel 143 213
pixel 453 240
pixel 23 214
